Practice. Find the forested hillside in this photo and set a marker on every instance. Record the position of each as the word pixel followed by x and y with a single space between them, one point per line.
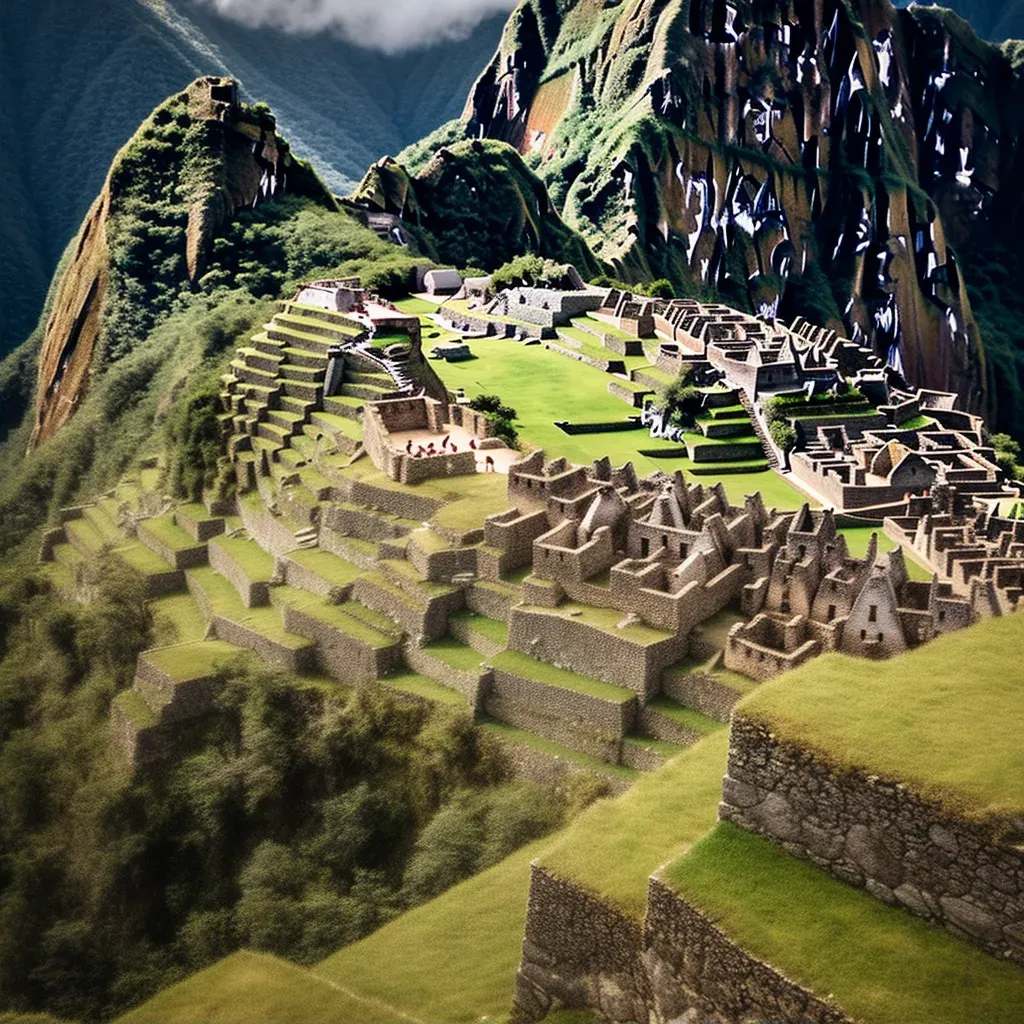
pixel 77 79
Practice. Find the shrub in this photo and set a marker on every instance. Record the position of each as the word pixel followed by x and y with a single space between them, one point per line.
pixel 782 434
pixel 501 417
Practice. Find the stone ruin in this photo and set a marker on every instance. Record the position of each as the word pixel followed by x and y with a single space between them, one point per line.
pixel 674 554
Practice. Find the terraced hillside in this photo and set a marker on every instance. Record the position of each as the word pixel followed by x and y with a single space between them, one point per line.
pixel 321 567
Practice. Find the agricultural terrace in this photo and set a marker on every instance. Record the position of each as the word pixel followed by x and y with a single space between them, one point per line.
pixel 945 719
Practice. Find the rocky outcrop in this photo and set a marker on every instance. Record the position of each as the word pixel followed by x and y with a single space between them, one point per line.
pixel 475 203
pixel 200 157
pixel 826 158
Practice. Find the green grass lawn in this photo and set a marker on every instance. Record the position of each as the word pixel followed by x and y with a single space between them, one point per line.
pixel 453 960
pixel 946 719
pixel 556 388
pixel 417 307
pixel 881 964
pixel 260 989
pixel 194 661
pixel 177 619
pixel 616 846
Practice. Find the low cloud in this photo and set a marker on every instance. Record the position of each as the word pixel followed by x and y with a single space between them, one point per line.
pixel 388 25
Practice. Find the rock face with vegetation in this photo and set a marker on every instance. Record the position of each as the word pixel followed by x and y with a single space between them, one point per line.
pixel 199 159
pixel 838 159
pixel 474 204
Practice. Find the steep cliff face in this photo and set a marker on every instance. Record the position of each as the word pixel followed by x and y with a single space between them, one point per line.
pixel 475 204
pixel 827 157
pixel 199 159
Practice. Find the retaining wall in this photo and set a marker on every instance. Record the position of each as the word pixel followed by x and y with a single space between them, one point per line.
pixel 341 656
pixel 254 594
pixel 591 651
pixel 967 876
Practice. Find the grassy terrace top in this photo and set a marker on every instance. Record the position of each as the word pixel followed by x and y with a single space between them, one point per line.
pixel 260 989
pixel 195 660
pixel 945 719
pixel 880 964
pixel 606 619
pixel 617 845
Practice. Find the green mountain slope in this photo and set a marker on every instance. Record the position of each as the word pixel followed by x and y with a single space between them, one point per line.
pixel 841 160
pixel 77 79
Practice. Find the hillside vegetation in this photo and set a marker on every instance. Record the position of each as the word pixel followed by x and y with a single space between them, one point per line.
pixel 76 80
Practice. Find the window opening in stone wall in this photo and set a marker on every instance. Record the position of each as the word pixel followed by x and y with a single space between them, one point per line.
pixel 831 612
pixel 863 634
pixel 873 613
pixel 645 547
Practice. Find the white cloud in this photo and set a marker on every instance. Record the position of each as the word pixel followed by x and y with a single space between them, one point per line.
pixel 388 25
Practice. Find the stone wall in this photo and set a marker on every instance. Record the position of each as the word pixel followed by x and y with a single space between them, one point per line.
pixel 879 835
pixel 301 578
pixel 702 692
pixel 694 966
pixel 581 952
pixel 471 684
pixel 178 700
pixel 440 566
pixel 601 719
pixel 592 651
pixel 254 594
pixel 265 528
pixel 535 765
pixel 578 952
pixel 291 659
pixel 341 656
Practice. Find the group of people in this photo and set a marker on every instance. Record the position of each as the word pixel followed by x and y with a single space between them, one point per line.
pixel 448 447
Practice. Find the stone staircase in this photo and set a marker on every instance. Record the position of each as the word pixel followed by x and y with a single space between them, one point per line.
pixel 770 451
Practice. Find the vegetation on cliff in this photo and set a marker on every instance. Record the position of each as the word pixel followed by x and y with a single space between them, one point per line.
pixel 475 204
pixel 297 820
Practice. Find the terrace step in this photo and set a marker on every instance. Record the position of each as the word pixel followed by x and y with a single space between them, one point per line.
pixel 293 371
pixel 423 689
pixel 302 389
pixel 583 713
pixel 292 421
pixel 306 359
pixel 368 392
pixel 198 523
pixel 453 665
pixel 328 316
pixel 488 637
pixel 246 566
pixel 664 719
pixel 257 629
pixel 84 537
pixel 549 760
pixel 349 646
pixel 170 542
pixel 320 573
pixel 345 405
